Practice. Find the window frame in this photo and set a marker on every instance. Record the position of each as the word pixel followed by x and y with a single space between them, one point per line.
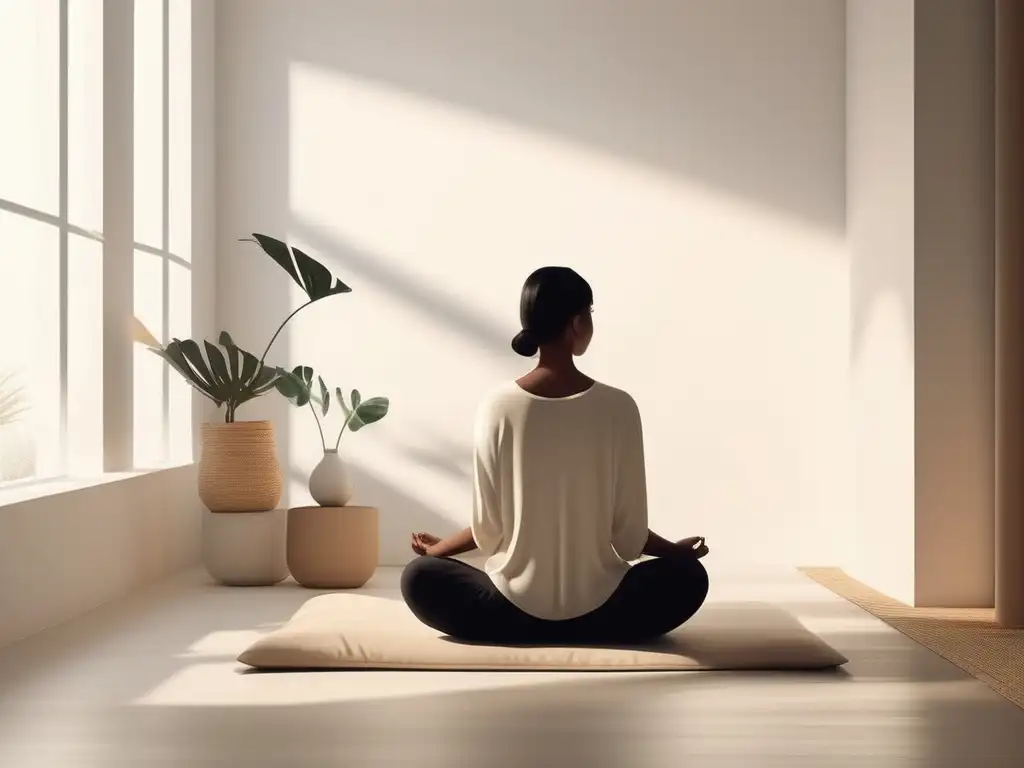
pixel 117 239
pixel 163 252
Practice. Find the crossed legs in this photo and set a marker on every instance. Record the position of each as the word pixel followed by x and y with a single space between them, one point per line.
pixel 458 600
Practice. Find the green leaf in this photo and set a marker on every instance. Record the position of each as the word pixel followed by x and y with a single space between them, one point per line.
pixel 174 357
pixel 175 354
pixel 229 381
pixel 341 402
pixel 268 380
pixel 356 399
pixel 289 386
pixel 293 386
pixel 312 276
pixel 249 367
pixel 325 396
pixel 234 353
pixel 194 357
pixel 264 378
pixel 368 412
pixel 217 364
pixel 304 373
pixel 318 279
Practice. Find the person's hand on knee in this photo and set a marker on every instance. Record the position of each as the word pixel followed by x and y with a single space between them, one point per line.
pixel 694 545
pixel 422 542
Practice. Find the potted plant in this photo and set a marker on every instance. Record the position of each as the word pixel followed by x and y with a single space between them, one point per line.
pixel 238 467
pixel 329 483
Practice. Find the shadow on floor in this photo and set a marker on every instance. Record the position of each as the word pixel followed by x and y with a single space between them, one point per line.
pixel 602 720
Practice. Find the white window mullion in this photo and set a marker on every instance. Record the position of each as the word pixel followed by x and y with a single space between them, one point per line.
pixel 62 214
pixel 119 234
pixel 165 281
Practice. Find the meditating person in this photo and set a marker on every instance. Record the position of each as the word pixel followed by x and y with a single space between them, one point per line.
pixel 560 506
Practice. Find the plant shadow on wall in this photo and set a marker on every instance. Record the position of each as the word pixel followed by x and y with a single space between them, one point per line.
pixel 17 450
pixel 441 454
pixel 732 128
pixel 443 310
pixel 239 469
pixel 705 104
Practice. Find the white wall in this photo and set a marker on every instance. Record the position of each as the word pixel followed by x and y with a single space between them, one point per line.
pixel 955 285
pixel 65 553
pixel 920 218
pixel 686 157
pixel 880 222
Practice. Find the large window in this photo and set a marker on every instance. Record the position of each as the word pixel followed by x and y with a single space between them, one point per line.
pixel 51 158
pixel 53 363
pixel 163 223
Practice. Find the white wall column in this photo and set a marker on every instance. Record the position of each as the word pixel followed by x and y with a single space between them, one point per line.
pixel 920 211
pixel 1009 555
pixel 118 231
pixel 954 286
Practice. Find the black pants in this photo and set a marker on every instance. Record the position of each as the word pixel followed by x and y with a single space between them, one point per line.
pixel 460 601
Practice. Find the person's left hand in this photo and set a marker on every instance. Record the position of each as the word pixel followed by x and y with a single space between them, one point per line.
pixel 694 544
pixel 422 542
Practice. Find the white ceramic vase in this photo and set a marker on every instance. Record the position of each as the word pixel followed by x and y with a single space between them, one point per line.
pixel 330 484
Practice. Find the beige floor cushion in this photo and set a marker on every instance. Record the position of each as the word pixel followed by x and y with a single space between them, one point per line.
pixel 357 631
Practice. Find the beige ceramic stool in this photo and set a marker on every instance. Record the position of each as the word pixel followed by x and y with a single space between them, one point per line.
pixel 245 549
pixel 333 547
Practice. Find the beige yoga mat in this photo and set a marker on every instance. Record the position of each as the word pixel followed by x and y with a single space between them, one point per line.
pixel 359 631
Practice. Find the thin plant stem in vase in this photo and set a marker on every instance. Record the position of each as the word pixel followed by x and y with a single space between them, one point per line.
pixel 329 483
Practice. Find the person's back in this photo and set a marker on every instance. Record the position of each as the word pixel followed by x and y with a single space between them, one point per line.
pixel 560 505
pixel 564 477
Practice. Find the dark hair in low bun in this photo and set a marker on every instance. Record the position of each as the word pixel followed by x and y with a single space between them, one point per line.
pixel 551 298
pixel 524 344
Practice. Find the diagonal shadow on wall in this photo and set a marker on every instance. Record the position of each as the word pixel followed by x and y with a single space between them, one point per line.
pixel 666 96
pixel 703 90
pixel 448 311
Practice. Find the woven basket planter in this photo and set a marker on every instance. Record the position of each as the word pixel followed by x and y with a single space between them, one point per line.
pixel 238 469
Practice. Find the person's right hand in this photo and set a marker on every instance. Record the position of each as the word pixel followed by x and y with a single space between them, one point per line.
pixel 694 545
pixel 421 542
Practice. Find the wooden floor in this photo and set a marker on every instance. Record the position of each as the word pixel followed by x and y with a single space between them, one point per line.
pixel 152 681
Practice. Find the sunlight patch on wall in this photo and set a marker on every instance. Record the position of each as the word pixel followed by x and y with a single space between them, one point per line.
pixel 727 320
